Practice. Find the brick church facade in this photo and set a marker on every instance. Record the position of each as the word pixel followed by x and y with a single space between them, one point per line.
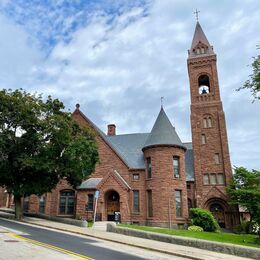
pixel 154 178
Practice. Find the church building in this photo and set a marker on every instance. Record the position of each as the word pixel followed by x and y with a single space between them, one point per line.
pixel 154 178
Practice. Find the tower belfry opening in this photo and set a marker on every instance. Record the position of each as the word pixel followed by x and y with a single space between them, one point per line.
pixel 204 84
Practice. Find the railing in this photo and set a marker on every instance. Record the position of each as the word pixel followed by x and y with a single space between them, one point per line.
pixel 206 97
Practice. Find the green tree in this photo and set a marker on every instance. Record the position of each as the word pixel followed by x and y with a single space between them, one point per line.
pixel 253 83
pixel 40 144
pixel 244 191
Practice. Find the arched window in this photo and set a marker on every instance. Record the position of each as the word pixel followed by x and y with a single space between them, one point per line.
pixel 216 207
pixel 67 201
pixel 204 85
pixel 203 139
pixel 207 121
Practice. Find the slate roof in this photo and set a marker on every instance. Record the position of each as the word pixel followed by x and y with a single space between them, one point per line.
pixel 163 133
pixel 129 147
pixel 189 163
pixel 90 183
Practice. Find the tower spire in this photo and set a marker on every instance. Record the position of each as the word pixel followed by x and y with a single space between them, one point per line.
pixel 200 43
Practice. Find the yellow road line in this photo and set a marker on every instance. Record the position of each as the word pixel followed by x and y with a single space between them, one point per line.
pixel 76 255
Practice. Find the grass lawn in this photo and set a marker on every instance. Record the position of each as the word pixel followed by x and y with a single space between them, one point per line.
pixel 243 239
pixel 90 224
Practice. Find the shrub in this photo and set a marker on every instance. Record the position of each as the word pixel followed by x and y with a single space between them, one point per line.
pixel 195 228
pixel 203 218
pixel 245 227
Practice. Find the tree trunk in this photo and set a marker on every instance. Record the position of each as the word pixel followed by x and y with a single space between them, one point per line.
pixel 18 207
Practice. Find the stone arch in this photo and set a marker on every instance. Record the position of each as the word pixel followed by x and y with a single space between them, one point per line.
pixel 220 210
pixel 112 203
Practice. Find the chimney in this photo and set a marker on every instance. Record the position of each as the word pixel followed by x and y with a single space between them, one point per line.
pixel 111 129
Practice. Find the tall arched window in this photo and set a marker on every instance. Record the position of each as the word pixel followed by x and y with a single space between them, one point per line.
pixel 204 85
pixel 67 202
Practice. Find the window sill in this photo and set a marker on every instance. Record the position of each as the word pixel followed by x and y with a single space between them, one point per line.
pixel 136 213
pixel 214 184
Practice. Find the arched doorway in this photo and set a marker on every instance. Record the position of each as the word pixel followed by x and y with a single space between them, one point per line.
pixel 219 213
pixel 112 204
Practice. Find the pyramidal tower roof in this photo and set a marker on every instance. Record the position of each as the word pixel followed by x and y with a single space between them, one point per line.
pixel 163 133
pixel 200 40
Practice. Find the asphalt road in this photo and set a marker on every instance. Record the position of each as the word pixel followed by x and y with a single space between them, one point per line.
pixel 80 245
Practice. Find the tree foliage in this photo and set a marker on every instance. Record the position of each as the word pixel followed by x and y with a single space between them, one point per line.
pixel 245 191
pixel 253 83
pixel 41 144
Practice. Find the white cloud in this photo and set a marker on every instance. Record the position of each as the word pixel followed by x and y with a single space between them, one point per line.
pixel 118 66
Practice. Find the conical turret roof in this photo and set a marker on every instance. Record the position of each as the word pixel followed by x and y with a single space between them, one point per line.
pixel 163 133
pixel 200 37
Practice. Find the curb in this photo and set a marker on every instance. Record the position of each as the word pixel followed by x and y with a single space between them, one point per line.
pixel 120 242
pixel 106 239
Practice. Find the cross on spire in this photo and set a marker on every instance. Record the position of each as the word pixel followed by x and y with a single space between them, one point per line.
pixel 162 101
pixel 197 14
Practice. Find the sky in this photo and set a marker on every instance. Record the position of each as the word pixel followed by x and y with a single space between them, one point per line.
pixel 117 58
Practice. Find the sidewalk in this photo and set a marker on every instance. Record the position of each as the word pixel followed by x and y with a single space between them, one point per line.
pixel 171 249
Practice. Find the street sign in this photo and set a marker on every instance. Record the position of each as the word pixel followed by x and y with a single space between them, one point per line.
pixel 96 194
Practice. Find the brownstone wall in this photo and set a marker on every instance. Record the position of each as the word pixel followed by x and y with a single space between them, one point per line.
pixel 138 217
pixel 82 200
pixel 216 136
pixel 163 185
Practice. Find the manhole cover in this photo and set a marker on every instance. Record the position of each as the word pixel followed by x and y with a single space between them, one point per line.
pixel 11 240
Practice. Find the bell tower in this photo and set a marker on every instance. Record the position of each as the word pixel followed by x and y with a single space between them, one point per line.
pixel 209 137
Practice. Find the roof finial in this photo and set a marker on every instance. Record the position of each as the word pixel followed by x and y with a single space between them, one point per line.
pixel 77 106
pixel 162 102
pixel 197 14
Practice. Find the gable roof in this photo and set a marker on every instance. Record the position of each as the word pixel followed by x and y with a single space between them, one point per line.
pixel 129 148
pixel 117 177
pixel 163 133
pixel 100 132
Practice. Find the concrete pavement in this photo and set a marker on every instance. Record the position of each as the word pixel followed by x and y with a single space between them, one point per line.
pixel 171 249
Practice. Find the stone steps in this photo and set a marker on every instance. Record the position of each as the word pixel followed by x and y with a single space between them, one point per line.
pixel 101 225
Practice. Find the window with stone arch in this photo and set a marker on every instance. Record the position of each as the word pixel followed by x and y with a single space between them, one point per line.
pixel 204 84
pixel 207 121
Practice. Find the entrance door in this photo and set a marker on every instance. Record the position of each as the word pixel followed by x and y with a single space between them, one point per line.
pixel 218 213
pixel 113 204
